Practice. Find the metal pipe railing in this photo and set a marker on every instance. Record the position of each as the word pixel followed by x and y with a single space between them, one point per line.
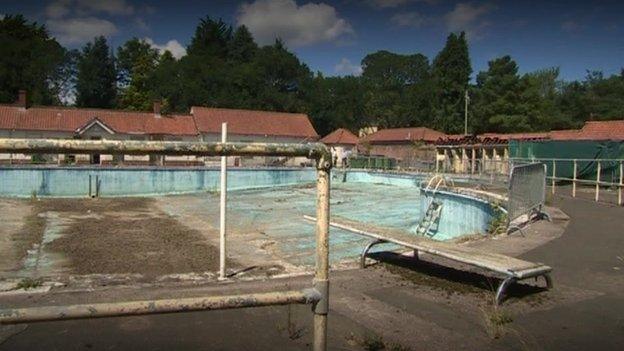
pixel 180 148
pixel 318 295
pixel 134 308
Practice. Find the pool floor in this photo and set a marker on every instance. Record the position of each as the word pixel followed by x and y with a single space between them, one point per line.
pixel 277 214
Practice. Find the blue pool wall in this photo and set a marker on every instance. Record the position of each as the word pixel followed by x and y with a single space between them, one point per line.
pixel 74 182
pixel 461 214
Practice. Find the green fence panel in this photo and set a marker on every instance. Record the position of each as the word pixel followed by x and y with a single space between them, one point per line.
pixel 578 149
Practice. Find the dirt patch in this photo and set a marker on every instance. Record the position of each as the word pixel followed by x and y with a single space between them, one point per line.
pixel 22 229
pixel 127 235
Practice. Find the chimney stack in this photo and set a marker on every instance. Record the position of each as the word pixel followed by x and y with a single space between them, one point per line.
pixel 21 98
pixel 157 104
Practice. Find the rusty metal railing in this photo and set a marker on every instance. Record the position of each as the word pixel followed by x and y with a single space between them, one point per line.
pixel 318 295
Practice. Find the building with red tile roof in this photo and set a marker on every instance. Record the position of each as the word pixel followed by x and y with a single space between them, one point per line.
pixel 296 126
pixel 342 144
pixel 598 130
pixel 407 145
pixel 403 135
pixel 340 136
pixel 20 121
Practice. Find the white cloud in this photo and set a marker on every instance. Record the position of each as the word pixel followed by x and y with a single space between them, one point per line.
pixel 80 30
pixel 173 46
pixel 409 19
pixel 297 25
pixel 61 8
pixel 469 18
pixel 345 67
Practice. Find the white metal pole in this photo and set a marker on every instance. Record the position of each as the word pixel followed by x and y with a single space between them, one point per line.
pixel 222 210
pixel 554 171
pixel 620 186
pixel 598 182
pixel 574 180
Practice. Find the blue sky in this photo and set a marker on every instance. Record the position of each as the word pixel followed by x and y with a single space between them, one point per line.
pixel 334 36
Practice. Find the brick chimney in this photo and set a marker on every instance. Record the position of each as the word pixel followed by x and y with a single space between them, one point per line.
pixel 21 98
pixel 157 105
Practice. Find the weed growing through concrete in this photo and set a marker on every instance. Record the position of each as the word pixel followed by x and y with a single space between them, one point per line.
pixel 29 283
pixel 496 320
pixel 498 224
pixel 376 343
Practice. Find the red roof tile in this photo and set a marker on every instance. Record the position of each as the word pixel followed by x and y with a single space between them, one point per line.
pixel 396 135
pixel 566 134
pixel 602 130
pixel 248 122
pixel 516 136
pixel 340 136
pixel 71 119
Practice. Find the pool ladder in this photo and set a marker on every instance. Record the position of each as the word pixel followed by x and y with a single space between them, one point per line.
pixel 428 225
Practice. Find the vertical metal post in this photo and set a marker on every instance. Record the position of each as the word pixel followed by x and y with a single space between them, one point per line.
pixel 620 185
pixel 222 209
pixel 598 182
pixel 473 161
pixel 554 174
pixel 321 276
pixel 574 180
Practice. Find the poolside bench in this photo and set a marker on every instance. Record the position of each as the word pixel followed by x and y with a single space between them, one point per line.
pixel 511 268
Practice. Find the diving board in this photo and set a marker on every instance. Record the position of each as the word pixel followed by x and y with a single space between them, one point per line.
pixel 513 269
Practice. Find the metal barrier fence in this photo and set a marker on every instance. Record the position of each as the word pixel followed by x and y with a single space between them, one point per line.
pixel 526 191
pixel 581 172
pixel 317 295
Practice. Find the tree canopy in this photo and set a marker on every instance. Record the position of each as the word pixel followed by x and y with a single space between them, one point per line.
pixel 225 67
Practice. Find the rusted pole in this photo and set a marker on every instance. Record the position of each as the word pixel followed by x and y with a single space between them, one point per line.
pixel 223 206
pixel 134 308
pixel 321 275
pixel 179 148
pixel 598 182
pixel 574 179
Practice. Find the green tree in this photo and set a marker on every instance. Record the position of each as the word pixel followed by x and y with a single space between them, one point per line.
pixel 337 102
pixel 283 79
pixel 604 95
pixel 541 95
pixel 500 106
pixel 399 89
pixel 136 61
pixel 165 82
pixel 242 47
pixel 96 84
pixel 451 72
pixel 211 38
pixel 31 60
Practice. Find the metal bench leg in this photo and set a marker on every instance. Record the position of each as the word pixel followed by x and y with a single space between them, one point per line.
pixel 365 251
pixel 500 292
pixel 548 279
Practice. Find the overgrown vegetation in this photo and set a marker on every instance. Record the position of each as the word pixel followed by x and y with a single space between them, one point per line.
pixel 498 223
pixel 29 283
pixel 225 67
pixel 376 343
pixel 496 320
